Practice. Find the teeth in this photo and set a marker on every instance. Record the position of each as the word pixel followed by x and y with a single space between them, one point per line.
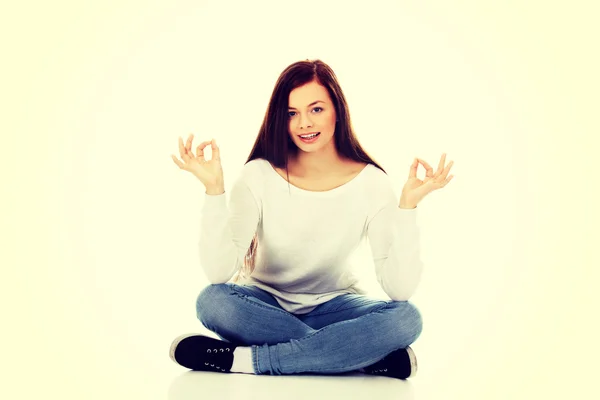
pixel 309 136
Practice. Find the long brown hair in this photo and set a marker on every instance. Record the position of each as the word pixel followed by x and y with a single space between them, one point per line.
pixel 273 142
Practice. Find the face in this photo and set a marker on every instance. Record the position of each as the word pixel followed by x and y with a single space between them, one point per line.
pixel 311 111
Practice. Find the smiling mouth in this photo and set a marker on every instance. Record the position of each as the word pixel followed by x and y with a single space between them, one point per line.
pixel 310 136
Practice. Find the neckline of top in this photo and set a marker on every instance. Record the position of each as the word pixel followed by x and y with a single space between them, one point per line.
pixel 329 192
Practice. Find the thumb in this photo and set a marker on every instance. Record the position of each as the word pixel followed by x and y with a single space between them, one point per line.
pixel 216 153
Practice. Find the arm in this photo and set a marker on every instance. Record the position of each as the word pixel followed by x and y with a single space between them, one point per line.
pixel 226 233
pixel 394 239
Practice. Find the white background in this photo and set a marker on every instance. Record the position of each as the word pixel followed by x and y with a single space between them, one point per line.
pixel 100 228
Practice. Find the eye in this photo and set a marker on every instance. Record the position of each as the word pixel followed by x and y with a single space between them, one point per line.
pixel 292 113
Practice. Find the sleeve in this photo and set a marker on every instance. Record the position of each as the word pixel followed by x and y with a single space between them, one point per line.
pixel 226 233
pixel 394 239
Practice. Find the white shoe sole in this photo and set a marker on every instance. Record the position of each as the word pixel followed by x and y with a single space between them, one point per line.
pixel 176 343
pixel 413 361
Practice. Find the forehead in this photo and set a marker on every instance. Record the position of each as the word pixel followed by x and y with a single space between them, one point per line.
pixel 304 95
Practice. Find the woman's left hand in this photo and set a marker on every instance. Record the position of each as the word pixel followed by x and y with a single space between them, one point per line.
pixel 415 190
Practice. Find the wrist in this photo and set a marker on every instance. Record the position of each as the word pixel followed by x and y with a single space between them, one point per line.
pixel 407 203
pixel 215 191
pixel 407 206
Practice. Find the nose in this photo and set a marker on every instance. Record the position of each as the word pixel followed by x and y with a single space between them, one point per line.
pixel 304 122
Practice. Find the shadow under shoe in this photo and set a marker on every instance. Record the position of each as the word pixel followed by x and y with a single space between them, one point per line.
pixel 202 353
pixel 401 364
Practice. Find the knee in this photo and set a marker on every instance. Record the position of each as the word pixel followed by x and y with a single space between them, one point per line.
pixel 209 299
pixel 410 320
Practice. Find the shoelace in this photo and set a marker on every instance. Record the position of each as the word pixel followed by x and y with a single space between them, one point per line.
pixel 377 371
pixel 380 363
pixel 214 356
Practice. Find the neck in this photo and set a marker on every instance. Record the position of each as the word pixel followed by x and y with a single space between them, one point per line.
pixel 316 164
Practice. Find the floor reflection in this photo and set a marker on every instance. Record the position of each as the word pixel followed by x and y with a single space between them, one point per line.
pixel 208 385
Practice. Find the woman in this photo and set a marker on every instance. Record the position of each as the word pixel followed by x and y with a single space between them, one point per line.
pixel 306 198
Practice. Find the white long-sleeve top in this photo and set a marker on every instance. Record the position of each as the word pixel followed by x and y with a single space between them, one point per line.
pixel 306 238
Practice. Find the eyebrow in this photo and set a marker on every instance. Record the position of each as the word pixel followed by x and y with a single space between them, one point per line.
pixel 311 104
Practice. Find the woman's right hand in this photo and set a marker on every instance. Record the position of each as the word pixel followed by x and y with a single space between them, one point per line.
pixel 209 172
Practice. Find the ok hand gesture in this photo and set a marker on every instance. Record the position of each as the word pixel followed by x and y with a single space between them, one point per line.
pixel 415 190
pixel 210 172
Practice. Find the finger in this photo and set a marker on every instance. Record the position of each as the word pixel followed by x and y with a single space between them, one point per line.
pixel 428 169
pixel 412 173
pixel 216 152
pixel 440 177
pixel 200 150
pixel 441 164
pixel 188 145
pixel 182 151
pixel 447 180
pixel 176 160
pixel 446 170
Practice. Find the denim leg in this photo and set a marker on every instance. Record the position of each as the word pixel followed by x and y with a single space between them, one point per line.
pixel 365 331
pixel 341 308
pixel 246 315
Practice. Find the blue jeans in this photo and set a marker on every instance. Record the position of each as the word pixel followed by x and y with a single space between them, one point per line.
pixel 344 334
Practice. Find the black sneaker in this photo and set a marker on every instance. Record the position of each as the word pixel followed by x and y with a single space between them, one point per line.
pixel 202 353
pixel 401 364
